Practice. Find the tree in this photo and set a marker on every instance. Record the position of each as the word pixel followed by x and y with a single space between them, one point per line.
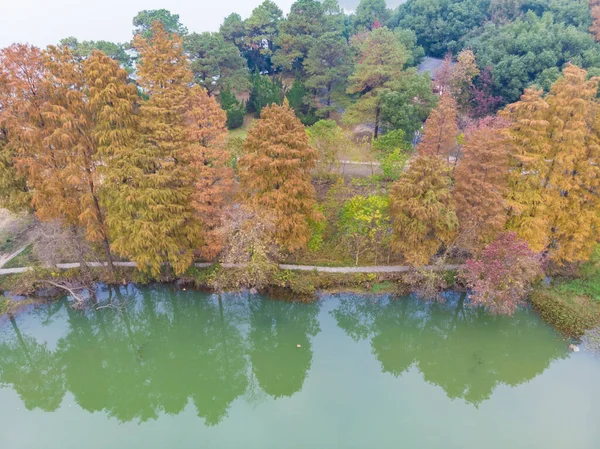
pixel 299 101
pixel 275 174
pixel 216 63
pixel 408 38
pixel 153 219
pixel 440 132
pixel 521 51
pixel 379 66
pixel 264 92
pixel 482 98
pixel 334 20
pixel 440 25
pixel 481 183
pixel 29 134
pixel 13 185
pixel 297 34
pixel 234 108
pixel 143 22
pixel 209 163
pixel 248 237
pixel 328 64
pixel 56 131
pixel 595 14
pixel 330 142
pixel 529 151
pixel 422 209
pixel 84 49
pixel 560 151
pixel 262 28
pixel 409 103
pixel 463 73
pixel 233 30
pixel 370 14
pixel 573 175
pixel 365 223
pixel 501 279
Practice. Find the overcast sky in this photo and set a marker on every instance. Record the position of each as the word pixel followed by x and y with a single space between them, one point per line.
pixel 43 22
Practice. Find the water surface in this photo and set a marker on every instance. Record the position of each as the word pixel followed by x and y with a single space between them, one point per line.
pixel 162 368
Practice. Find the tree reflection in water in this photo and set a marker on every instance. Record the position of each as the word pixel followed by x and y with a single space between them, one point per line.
pixel 462 349
pixel 160 351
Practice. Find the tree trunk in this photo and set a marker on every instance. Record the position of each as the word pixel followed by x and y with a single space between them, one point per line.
pixel 105 242
pixel 377 113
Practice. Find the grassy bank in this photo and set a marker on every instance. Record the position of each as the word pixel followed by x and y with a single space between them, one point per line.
pixel 572 304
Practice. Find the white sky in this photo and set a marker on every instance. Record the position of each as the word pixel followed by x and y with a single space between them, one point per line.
pixel 44 22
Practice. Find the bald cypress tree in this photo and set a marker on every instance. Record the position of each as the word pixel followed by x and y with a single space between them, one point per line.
pixel 555 168
pixel 209 163
pixel 529 150
pixel 422 209
pixel 441 129
pixel 275 174
pixel 153 220
pixel 481 182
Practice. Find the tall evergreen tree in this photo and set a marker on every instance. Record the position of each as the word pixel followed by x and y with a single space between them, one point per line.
pixel 275 174
pixel 328 65
pixel 216 63
pixel 297 34
pixel 262 29
pixel 380 62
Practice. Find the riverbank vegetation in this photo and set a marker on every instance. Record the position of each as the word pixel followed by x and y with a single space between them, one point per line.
pixel 492 160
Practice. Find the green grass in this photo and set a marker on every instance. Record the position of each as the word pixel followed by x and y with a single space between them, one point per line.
pixel 7 245
pixel 24 259
pixel 238 133
pixel 588 284
pixel 572 305
pixel 242 132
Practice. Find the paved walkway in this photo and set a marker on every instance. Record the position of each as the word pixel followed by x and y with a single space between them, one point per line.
pixel 371 269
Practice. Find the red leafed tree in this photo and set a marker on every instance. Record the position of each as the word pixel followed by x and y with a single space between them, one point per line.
pixel 481 182
pixel 482 98
pixel 501 278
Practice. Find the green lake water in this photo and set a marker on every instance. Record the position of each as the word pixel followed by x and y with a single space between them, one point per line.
pixel 164 368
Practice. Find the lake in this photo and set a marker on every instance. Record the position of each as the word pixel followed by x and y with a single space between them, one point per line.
pixel 164 368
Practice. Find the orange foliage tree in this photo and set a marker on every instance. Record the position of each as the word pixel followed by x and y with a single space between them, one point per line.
pixel 14 194
pixel 153 220
pixel 40 122
pixel 275 174
pixel 529 149
pixel 56 105
pixel 481 181
pixel 422 209
pixel 209 162
pixel 555 167
pixel 440 132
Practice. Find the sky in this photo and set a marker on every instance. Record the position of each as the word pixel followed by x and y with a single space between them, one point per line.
pixel 44 22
